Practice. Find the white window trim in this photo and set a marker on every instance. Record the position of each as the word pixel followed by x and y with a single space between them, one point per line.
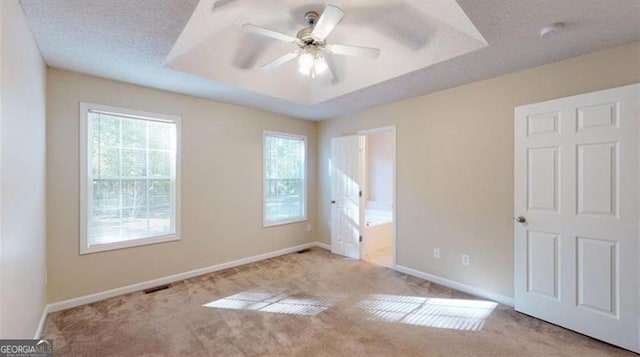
pixel 304 218
pixel 84 175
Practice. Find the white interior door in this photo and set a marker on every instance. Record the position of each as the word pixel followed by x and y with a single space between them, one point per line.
pixel 576 207
pixel 346 164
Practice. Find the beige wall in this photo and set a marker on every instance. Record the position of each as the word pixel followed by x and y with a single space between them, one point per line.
pixel 454 175
pixel 455 163
pixel 221 187
pixel 22 188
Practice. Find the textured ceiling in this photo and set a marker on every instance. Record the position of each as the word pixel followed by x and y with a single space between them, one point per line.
pixel 130 41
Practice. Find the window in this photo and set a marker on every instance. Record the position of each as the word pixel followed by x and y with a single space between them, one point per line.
pixel 285 174
pixel 129 182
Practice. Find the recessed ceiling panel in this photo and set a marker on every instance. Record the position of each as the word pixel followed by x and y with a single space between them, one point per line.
pixel 410 35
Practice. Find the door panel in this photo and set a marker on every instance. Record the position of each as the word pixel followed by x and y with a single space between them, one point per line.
pixel 345 190
pixel 598 115
pixel 542 263
pixel 577 184
pixel 543 124
pixel 597 182
pixel 597 275
pixel 543 179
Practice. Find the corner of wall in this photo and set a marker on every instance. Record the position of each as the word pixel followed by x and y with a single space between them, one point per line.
pixel 1 107
pixel 23 183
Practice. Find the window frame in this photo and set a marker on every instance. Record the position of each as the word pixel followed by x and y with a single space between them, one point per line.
pixel 305 207
pixel 85 166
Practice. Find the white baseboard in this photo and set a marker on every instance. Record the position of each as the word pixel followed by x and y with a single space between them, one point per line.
pixel 82 300
pixel 87 299
pixel 324 246
pixel 505 300
pixel 43 319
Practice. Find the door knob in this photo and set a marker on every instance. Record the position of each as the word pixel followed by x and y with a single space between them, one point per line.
pixel 521 219
pixel 334 201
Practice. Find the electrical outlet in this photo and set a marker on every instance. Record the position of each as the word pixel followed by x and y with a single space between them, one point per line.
pixel 466 260
pixel 308 227
pixel 46 277
pixel 436 253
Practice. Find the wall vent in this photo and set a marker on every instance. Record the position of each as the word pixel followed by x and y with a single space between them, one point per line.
pixel 156 289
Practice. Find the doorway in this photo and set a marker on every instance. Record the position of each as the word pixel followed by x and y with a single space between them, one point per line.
pixel 363 211
pixel 378 228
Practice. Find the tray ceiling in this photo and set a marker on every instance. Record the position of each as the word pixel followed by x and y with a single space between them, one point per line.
pixel 410 36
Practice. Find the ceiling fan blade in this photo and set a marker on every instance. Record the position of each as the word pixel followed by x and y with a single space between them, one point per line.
pixel 330 17
pixel 269 33
pixel 280 60
pixel 354 51
pixel 332 68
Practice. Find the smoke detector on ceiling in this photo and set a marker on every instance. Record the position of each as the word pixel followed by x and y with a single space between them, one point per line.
pixel 551 29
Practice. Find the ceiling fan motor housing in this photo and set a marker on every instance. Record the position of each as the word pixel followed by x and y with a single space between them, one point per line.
pixel 304 35
pixel 305 38
pixel 311 17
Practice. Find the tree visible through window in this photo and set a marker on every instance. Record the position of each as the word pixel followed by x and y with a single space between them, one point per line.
pixel 284 178
pixel 131 183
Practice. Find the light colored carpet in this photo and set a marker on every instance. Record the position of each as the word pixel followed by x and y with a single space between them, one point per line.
pixel 311 304
pixel 382 256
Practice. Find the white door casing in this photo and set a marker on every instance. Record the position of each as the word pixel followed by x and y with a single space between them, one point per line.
pixel 577 186
pixel 346 173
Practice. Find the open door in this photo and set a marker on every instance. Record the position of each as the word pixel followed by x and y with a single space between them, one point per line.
pixel 576 203
pixel 346 168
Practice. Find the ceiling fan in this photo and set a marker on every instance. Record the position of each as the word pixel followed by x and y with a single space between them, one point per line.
pixel 312 48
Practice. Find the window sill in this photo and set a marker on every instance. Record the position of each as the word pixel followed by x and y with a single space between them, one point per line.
pixel 283 222
pixel 96 248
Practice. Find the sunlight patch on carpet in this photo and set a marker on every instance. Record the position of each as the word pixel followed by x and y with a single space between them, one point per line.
pixel 265 300
pixel 456 314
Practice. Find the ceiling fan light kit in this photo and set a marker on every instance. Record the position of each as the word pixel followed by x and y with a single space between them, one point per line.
pixel 312 63
pixel 311 41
